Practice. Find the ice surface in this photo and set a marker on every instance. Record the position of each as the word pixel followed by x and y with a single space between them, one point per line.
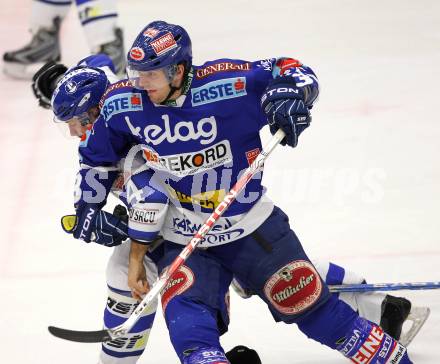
pixel 362 188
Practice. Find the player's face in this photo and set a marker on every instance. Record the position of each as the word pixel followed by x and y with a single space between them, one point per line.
pixel 79 124
pixel 76 129
pixel 156 83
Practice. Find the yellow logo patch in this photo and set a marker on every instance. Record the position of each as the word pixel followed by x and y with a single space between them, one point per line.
pixel 208 199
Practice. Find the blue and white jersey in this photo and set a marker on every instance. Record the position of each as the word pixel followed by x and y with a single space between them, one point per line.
pixel 201 142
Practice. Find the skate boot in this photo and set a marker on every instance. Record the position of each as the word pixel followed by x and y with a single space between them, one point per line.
pixel 115 50
pixel 44 47
pixel 395 312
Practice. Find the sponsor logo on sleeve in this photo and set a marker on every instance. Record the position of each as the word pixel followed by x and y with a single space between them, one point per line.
pixel 218 90
pixel 294 288
pixel 180 281
pixel 252 154
pixel 285 64
pixel 222 67
pixel 266 64
pixel 163 44
pixel 144 216
pixel 186 164
pixel 121 103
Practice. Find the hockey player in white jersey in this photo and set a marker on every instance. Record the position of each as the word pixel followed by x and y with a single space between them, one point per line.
pixel 98 19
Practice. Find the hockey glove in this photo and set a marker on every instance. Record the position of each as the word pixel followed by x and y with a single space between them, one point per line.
pixel 283 104
pixel 45 82
pixel 92 224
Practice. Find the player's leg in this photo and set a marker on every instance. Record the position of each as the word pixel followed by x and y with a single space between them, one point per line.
pixel 99 20
pixel 120 305
pixel 388 311
pixel 283 276
pixel 46 17
pixel 195 307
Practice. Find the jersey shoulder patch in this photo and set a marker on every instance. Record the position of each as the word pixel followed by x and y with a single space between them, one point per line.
pixel 221 67
pixel 115 88
pixel 119 98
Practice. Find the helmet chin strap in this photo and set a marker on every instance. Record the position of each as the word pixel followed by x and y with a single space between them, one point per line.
pixel 173 89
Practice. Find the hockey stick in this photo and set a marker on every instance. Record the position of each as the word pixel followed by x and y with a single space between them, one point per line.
pixel 384 287
pixel 123 329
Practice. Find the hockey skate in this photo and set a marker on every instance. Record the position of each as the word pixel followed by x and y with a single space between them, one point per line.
pixel 43 47
pixel 115 50
pixel 398 314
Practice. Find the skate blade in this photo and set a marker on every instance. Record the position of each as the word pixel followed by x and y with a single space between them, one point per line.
pixel 21 71
pixel 417 318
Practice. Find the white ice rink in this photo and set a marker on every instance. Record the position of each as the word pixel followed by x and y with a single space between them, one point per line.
pixel 362 189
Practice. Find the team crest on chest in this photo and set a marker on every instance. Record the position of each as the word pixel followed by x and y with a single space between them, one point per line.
pixel 203 131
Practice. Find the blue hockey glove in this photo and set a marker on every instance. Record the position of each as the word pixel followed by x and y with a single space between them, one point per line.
pixel 283 104
pixel 91 224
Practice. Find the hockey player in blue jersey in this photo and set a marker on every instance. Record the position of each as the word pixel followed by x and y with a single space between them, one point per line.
pixel 199 125
pixel 76 104
pixel 333 270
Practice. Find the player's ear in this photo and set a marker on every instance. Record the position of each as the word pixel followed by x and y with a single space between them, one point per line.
pixel 180 70
pixel 93 113
pixel 178 77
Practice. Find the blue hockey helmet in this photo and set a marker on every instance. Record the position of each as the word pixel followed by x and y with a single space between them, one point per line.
pixel 80 89
pixel 159 45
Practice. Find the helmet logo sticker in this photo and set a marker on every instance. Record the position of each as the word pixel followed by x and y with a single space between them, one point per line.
pixel 71 87
pixel 137 53
pixel 85 98
pixel 151 32
pixel 163 44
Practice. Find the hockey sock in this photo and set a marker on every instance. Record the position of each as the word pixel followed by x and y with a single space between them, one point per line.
pixel 337 326
pixel 206 355
pixel 44 12
pixel 98 17
pixel 192 327
pixel 125 350
pixel 368 305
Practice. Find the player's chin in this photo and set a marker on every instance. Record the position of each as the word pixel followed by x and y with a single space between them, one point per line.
pixel 155 97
